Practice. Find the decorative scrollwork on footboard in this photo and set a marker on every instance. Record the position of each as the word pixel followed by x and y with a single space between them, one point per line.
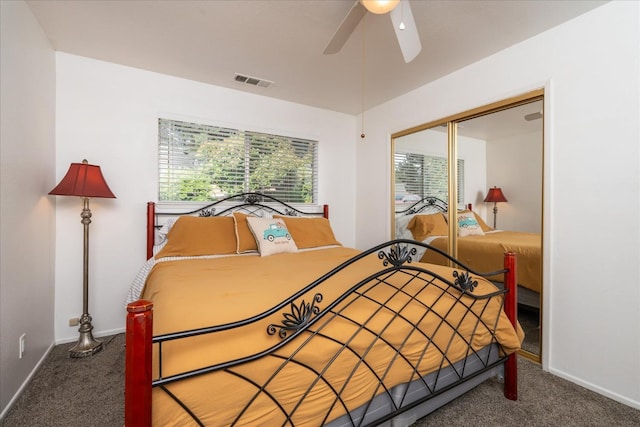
pixel 298 318
pixel 463 280
pixel 398 255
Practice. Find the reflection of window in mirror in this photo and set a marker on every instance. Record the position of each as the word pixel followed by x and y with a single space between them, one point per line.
pixel 419 175
pixel 421 165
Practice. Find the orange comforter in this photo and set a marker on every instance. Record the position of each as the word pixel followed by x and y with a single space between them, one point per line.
pixel 485 253
pixel 189 294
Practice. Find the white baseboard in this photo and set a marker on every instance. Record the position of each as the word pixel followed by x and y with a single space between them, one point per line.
pixel 26 382
pixel 95 334
pixel 607 393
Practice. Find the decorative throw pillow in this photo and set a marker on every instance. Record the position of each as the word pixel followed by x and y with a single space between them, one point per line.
pixel 195 236
pixel 244 236
pixel 309 232
pixel 483 224
pixel 468 225
pixel 271 235
pixel 423 226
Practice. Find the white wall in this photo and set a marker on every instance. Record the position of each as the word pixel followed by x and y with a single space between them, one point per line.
pixel 108 114
pixel 27 214
pixel 591 73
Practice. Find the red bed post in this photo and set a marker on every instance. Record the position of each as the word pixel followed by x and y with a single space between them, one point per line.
pixel 325 211
pixel 151 229
pixel 137 375
pixel 511 309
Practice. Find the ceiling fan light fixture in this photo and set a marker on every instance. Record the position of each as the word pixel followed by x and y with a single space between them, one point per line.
pixel 379 6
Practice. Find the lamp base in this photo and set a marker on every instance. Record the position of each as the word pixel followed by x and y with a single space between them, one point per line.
pixel 86 345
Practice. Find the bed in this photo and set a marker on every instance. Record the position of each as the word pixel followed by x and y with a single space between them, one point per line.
pixel 242 333
pixel 479 245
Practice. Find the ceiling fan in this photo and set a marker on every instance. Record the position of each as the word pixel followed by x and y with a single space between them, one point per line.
pixel 401 17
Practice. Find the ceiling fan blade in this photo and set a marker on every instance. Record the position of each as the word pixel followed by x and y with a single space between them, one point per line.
pixel 349 23
pixel 409 39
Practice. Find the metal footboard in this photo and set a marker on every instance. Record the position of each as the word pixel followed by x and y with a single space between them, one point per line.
pixel 306 317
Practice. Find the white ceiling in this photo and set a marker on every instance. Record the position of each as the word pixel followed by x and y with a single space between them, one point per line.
pixel 282 41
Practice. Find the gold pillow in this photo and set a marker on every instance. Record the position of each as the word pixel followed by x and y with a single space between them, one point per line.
pixel 246 241
pixel 195 236
pixel 423 226
pixel 310 232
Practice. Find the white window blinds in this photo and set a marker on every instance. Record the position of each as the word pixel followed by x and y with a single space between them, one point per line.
pixel 424 175
pixel 205 163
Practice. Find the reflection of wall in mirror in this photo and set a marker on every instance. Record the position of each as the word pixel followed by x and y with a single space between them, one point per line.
pixel 474 153
pixel 505 162
pixel 515 165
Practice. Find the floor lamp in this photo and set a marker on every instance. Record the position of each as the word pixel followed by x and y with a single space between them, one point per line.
pixel 84 180
pixel 494 196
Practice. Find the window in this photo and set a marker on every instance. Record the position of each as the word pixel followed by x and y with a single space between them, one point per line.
pixel 205 163
pixel 423 175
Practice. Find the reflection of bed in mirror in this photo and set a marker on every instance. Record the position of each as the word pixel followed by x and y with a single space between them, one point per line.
pixel 479 246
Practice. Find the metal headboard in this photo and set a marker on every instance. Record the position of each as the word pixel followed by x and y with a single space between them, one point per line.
pixel 428 203
pixel 250 203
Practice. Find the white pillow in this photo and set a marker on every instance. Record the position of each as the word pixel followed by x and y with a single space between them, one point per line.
pixel 160 237
pixel 401 227
pixel 468 225
pixel 272 236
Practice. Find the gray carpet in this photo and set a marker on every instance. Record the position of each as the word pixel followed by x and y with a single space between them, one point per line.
pixel 79 392
pixel 89 392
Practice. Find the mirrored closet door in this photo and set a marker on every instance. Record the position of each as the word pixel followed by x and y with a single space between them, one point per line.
pixel 484 165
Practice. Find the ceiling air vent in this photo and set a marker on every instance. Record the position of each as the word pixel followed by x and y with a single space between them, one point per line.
pixel 254 81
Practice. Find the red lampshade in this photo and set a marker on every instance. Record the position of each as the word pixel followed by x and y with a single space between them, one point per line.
pixel 495 195
pixel 84 180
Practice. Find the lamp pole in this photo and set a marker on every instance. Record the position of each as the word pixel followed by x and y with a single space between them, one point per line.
pixel 86 345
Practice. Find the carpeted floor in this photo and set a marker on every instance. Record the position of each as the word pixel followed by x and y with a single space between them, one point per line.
pixel 543 400
pixel 84 392
pixel 89 392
